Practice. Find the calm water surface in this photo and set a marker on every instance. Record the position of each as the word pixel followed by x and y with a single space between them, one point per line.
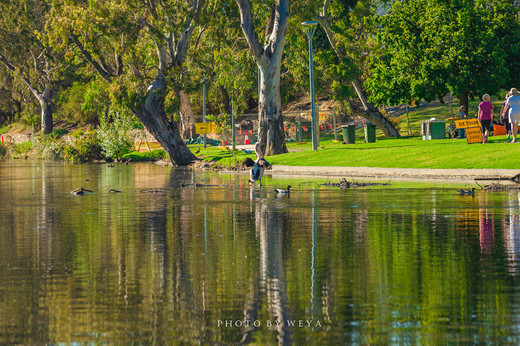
pixel 166 261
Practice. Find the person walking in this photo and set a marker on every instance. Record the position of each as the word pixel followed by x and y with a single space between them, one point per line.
pixel 485 116
pixel 514 111
pixel 504 116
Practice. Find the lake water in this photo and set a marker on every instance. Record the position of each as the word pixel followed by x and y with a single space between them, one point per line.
pixel 201 258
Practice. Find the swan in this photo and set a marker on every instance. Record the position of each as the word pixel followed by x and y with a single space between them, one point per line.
pixel 257 171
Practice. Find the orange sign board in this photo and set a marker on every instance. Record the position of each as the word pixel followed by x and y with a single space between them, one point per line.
pixel 474 135
pixel 465 123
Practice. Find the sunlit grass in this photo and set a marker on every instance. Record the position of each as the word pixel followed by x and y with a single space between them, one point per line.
pixel 408 152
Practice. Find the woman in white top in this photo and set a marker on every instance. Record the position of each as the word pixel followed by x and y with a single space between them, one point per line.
pixel 514 111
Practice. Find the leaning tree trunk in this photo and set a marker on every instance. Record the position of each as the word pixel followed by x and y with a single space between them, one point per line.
pixel 151 114
pixel 370 112
pixel 367 110
pixel 270 118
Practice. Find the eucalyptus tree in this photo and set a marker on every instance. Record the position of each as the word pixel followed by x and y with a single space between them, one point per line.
pixel 267 54
pixel 431 48
pixel 349 28
pixel 25 52
pixel 139 48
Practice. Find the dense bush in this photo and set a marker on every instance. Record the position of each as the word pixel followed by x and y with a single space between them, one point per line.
pixel 85 147
pixel 22 150
pixel 115 134
pixel 58 133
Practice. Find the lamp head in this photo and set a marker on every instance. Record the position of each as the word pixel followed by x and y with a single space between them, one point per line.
pixel 309 28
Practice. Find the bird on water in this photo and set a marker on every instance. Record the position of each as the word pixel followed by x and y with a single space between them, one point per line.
pixel 282 192
pixel 257 171
pixel 467 192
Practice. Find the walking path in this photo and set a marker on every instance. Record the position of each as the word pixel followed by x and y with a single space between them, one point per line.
pixel 398 173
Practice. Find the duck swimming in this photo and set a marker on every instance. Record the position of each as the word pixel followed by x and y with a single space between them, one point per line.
pixel 282 192
pixel 467 192
pixel 257 171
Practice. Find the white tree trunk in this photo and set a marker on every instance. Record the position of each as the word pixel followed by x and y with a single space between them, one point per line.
pixel 271 127
pixel 269 59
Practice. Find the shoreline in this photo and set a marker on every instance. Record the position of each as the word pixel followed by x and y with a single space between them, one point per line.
pixel 419 174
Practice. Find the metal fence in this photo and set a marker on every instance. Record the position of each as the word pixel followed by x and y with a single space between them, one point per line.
pixel 297 127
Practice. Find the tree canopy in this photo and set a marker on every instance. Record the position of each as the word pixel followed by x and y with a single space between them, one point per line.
pixel 428 49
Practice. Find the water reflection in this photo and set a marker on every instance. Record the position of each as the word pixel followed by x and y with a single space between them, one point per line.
pixel 195 257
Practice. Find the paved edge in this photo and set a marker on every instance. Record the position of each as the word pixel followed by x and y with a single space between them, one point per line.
pixel 397 173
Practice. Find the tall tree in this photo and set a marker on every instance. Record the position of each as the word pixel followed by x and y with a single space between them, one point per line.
pixel 26 54
pixel 348 28
pixel 139 48
pixel 432 48
pixel 268 57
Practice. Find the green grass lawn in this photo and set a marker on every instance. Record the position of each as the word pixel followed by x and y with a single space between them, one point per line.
pixel 407 152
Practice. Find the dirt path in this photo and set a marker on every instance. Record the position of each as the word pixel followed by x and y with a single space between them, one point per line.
pixel 484 175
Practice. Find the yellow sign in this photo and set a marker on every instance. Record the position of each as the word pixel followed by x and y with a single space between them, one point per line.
pixel 202 128
pixel 474 135
pixel 322 115
pixel 465 123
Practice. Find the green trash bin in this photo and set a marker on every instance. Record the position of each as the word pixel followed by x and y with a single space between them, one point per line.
pixel 370 133
pixel 349 134
pixel 438 129
pixel 433 129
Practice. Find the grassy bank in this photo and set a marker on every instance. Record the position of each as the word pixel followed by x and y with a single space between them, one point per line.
pixel 407 152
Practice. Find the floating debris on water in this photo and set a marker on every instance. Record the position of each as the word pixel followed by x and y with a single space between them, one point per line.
pixel 344 184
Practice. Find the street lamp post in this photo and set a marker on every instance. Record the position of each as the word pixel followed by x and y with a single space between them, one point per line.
pixel 310 28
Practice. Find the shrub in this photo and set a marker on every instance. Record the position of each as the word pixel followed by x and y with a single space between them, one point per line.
pixel 115 134
pixel 153 155
pixel 85 147
pixel 58 133
pixel 22 150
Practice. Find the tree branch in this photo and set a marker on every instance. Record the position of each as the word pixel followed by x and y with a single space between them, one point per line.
pixel 27 82
pixel 104 73
pixel 246 22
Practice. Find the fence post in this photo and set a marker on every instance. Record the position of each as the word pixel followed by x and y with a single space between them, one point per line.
pixel 300 125
pixel 334 125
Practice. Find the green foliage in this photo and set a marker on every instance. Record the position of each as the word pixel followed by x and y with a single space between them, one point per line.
pixel 432 48
pixel 58 133
pixel 3 149
pixel 48 148
pixel 21 150
pixel 85 147
pixel 82 103
pixel 115 134
pixel 30 119
pixel 153 155
pixel 221 122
